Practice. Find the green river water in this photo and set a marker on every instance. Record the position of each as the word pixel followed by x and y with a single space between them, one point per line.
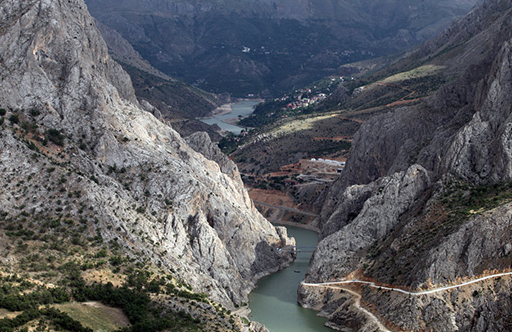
pixel 274 302
pixel 242 108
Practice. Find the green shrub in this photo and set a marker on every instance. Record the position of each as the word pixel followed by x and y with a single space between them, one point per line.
pixel 14 118
pixel 55 136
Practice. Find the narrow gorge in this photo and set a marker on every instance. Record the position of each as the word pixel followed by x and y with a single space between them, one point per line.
pixel 100 195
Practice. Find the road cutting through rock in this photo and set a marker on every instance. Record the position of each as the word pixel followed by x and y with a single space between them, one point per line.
pixel 357 301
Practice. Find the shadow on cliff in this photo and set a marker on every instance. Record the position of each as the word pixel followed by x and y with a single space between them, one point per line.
pixel 268 260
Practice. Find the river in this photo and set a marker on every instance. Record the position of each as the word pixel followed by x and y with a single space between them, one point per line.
pixel 242 108
pixel 274 301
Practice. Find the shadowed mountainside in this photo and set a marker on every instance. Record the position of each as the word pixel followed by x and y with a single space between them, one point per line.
pixel 270 47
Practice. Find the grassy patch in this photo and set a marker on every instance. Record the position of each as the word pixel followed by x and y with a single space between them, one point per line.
pixel 457 204
pixel 422 71
pixel 95 315
pixel 462 200
pixel 300 124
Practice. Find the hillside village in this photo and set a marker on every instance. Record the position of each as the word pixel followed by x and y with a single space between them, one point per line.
pixel 303 98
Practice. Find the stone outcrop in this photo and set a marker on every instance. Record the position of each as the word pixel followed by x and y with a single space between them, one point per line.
pixel 425 231
pixel 146 189
pixel 377 218
pixel 202 143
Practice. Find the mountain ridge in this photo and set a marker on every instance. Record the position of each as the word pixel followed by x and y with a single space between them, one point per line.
pixel 73 115
pixel 424 198
pixel 268 47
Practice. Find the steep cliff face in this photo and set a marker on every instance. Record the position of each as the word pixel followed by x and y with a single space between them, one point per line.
pixel 202 143
pixel 174 99
pixel 378 217
pixel 423 133
pixel 74 116
pixel 451 219
pixel 392 142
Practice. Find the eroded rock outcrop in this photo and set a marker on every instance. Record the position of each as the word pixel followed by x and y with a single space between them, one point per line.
pixel 146 189
pixel 202 143
pixel 391 197
pixel 453 223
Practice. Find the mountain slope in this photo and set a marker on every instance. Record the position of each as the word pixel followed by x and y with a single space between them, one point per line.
pixel 432 200
pixel 175 99
pixel 270 47
pixel 87 151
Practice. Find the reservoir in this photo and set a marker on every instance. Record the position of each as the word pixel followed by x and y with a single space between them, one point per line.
pixel 243 108
pixel 274 301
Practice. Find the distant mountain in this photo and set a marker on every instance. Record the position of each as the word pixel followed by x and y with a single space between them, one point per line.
pixel 267 47
pixel 174 100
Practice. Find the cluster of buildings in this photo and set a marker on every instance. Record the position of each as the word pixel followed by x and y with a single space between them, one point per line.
pixel 334 164
pixel 302 101
pixel 306 97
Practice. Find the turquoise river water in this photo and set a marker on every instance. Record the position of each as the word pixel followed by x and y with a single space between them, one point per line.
pixel 242 108
pixel 274 302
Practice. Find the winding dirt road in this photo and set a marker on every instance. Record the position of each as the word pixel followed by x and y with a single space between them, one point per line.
pixel 357 300
pixel 431 291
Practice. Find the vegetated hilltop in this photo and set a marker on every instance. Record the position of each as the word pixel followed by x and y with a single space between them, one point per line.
pixel 86 172
pixel 269 47
pixel 425 198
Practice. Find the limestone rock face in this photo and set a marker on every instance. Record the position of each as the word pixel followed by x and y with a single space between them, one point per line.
pixel 481 152
pixel 463 130
pixel 391 197
pixel 411 226
pixel 431 133
pixel 257 327
pixel 347 207
pixel 202 143
pixel 148 189
pixel 474 246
